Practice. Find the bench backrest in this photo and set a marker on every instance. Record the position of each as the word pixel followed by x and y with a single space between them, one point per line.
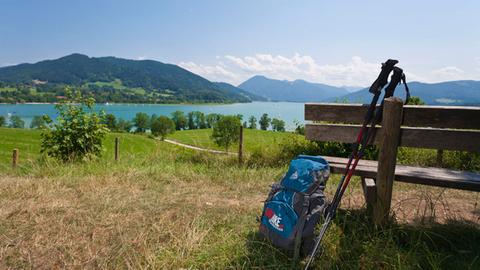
pixel 435 127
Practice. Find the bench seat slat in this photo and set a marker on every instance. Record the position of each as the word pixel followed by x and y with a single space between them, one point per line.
pixel 414 116
pixel 416 175
pixel 447 139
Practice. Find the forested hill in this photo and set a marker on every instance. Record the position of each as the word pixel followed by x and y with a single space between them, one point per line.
pixel 112 79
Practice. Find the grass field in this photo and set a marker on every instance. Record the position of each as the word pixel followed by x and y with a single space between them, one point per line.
pixel 8 89
pixel 27 141
pixel 165 207
pixel 253 139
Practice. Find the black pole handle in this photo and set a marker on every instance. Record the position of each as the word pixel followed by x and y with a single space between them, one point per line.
pixel 382 78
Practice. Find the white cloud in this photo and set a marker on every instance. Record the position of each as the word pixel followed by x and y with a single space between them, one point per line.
pixel 235 69
pixel 448 74
pixel 355 72
pixel 214 73
pixel 142 58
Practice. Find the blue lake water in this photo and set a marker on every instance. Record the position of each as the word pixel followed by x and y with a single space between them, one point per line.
pixel 287 111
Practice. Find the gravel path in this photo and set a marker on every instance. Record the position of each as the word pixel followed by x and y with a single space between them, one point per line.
pixel 199 148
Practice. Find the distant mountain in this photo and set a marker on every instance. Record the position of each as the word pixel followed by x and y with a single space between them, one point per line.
pixel 231 88
pixel 444 93
pixel 112 79
pixel 296 91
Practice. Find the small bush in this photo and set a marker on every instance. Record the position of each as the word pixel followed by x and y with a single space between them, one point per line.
pixel 78 131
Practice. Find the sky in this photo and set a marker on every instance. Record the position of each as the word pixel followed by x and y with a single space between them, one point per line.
pixel 340 43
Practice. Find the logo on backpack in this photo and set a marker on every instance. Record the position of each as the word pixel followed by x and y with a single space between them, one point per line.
pixel 273 219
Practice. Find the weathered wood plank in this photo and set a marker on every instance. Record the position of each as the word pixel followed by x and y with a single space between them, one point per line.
pixel 387 158
pixel 447 139
pixel 410 174
pixel 369 191
pixel 334 132
pixel 458 117
pixel 370 194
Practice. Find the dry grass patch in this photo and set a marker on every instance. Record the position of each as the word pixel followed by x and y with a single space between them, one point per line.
pixel 174 208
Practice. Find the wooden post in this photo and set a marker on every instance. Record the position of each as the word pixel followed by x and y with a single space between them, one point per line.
pixel 15 158
pixel 117 144
pixel 389 140
pixel 240 146
pixel 439 158
pixel 370 193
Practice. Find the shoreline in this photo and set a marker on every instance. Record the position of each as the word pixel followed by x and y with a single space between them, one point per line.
pixel 140 104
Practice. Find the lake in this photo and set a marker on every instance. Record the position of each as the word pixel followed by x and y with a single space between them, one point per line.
pixel 287 111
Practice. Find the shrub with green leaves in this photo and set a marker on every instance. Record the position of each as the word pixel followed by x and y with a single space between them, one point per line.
pixel 226 131
pixel 162 126
pixel 77 133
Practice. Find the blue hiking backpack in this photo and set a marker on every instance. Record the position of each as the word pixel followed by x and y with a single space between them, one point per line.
pixel 295 205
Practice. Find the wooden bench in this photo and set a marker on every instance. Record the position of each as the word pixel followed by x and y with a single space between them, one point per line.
pixel 434 127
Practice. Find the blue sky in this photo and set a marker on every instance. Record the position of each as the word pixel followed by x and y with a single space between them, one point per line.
pixel 335 42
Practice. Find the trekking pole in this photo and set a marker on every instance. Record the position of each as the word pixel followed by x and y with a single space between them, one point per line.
pixel 365 139
pixel 375 88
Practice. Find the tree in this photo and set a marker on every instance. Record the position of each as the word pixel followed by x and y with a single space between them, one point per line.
pixel 162 126
pixel 111 122
pixel 199 119
pixel 77 133
pixel 191 122
pixel 226 131
pixel 299 127
pixel 38 122
pixel 278 125
pixel 3 121
pixel 264 122
pixel 141 122
pixel 415 101
pixel 179 119
pixel 245 125
pixel 124 125
pixel 16 122
pixel 212 118
pixel 252 122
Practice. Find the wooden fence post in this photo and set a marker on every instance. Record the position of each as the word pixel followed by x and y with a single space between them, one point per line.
pixel 15 158
pixel 117 144
pixel 389 140
pixel 240 146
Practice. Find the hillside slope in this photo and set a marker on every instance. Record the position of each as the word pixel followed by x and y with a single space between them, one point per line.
pixel 115 80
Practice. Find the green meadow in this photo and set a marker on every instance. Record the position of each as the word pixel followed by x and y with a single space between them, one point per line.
pixel 162 206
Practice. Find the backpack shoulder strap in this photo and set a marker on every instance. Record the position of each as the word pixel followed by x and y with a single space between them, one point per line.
pixel 299 227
